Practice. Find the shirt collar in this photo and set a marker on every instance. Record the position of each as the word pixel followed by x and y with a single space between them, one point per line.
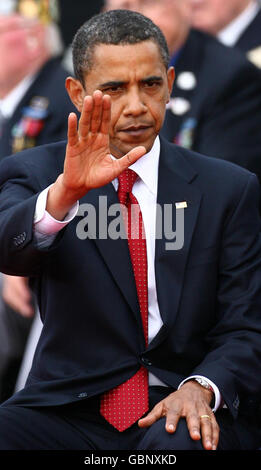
pixel 11 101
pixel 147 168
pixel 231 33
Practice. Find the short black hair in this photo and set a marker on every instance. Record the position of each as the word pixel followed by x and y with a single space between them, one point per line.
pixel 117 27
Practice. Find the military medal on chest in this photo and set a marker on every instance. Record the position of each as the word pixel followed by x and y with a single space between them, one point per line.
pixel 26 131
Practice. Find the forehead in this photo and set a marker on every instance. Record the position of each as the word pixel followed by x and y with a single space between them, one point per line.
pixel 116 61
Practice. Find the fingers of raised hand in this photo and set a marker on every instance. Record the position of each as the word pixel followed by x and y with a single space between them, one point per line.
pixel 95 116
pixel 86 115
pixel 124 162
pixel 106 115
pixel 72 132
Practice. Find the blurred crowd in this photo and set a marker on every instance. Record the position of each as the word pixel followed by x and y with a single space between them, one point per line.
pixel 215 107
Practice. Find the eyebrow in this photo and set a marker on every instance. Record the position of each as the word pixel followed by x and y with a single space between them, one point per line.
pixel 154 78
pixel 115 83
pixel 112 83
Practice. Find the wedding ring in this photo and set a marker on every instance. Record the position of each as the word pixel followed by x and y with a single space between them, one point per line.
pixel 205 416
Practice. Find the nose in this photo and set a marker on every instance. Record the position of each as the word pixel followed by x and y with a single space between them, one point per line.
pixel 135 105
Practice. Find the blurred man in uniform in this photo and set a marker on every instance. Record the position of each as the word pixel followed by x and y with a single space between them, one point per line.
pixel 236 23
pixel 215 107
pixel 34 106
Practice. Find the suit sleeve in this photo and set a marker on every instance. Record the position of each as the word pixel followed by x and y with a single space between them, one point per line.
pixel 234 357
pixel 20 188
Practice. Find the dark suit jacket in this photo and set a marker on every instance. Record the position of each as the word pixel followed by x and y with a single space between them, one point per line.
pixel 224 118
pixel 251 38
pixel 49 83
pixel 209 292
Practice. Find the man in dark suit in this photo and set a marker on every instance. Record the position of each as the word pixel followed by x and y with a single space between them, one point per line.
pixel 236 23
pixel 215 107
pixel 143 343
pixel 34 107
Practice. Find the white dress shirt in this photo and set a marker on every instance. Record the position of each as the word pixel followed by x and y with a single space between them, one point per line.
pixel 145 190
pixel 9 104
pixel 231 33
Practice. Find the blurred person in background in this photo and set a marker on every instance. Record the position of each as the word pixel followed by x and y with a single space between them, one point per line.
pixel 69 21
pixel 236 23
pixel 34 107
pixel 215 107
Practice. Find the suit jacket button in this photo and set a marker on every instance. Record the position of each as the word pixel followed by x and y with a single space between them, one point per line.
pixel 83 395
pixel 146 361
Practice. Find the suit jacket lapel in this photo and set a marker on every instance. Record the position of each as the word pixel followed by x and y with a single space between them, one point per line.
pixel 174 185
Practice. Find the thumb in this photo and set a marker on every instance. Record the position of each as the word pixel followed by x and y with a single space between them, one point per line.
pixel 131 157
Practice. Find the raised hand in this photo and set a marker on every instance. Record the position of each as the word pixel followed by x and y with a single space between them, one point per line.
pixel 88 163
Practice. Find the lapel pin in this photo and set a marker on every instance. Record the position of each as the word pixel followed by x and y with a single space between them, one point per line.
pixel 181 205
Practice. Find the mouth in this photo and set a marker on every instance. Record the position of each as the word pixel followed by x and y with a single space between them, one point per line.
pixel 136 131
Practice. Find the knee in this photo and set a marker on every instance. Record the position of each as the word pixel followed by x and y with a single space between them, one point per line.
pixel 157 438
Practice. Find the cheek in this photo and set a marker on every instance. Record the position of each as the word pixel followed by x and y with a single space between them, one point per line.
pixel 13 51
pixel 116 115
pixel 157 111
pixel 157 106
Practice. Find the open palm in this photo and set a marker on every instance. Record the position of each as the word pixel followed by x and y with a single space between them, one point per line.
pixel 88 163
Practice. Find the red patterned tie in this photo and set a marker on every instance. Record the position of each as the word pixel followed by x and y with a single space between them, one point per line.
pixel 124 405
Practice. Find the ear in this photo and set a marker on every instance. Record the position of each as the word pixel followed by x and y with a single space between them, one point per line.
pixel 170 78
pixel 76 92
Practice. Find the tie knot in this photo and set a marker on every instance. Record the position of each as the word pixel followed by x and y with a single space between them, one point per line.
pixel 126 181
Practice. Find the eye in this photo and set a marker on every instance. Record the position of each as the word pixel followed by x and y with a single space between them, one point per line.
pixel 113 89
pixel 152 84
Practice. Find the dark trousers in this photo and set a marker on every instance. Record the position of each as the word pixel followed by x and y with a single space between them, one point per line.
pixel 79 426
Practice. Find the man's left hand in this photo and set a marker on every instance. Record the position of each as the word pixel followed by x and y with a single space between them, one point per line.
pixel 191 402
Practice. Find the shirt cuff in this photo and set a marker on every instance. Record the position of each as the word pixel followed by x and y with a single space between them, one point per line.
pixel 44 223
pixel 213 386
